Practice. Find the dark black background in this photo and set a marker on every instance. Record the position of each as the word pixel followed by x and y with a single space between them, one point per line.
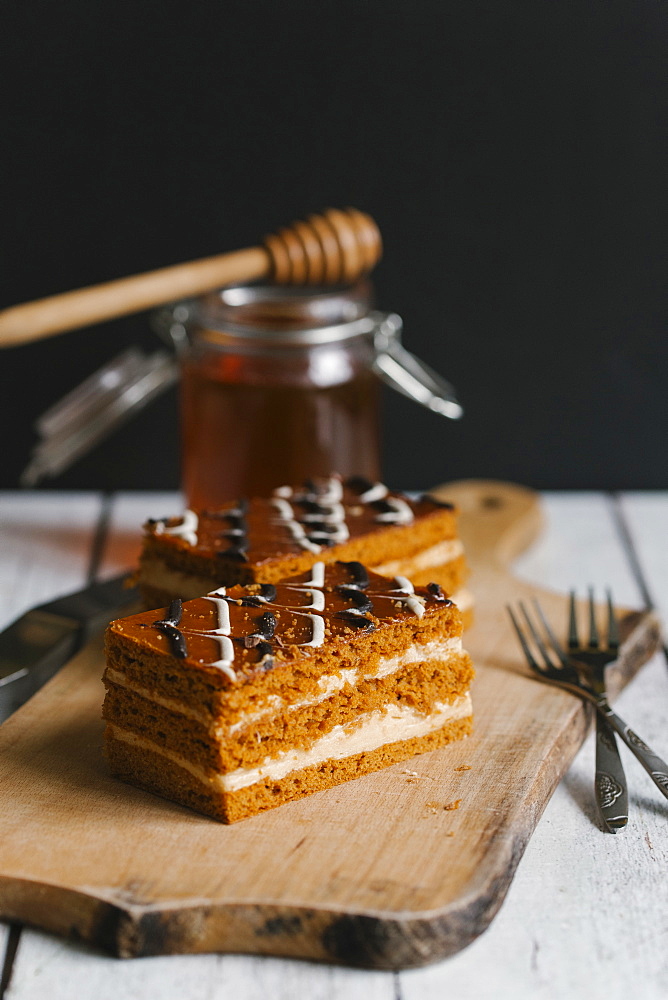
pixel 512 153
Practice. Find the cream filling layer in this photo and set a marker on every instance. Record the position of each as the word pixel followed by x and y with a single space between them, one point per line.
pixel 436 555
pixel 368 732
pixel 328 684
pixel 155 573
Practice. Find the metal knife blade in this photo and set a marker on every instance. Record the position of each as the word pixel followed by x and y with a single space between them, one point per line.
pixel 38 643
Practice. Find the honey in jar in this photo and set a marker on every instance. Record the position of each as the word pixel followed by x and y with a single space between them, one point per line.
pixel 280 384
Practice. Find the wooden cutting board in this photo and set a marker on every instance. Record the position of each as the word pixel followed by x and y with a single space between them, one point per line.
pixel 392 870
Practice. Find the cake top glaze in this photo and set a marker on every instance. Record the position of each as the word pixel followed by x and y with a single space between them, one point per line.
pixel 294 520
pixel 242 631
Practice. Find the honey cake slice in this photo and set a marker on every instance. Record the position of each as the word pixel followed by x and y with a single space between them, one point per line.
pixel 264 540
pixel 254 696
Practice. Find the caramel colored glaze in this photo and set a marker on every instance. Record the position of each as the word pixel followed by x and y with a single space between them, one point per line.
pixel 346 623
pixel 272 552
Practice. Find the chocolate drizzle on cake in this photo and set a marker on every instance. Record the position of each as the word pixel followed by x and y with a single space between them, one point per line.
pixel 322 520
pixel 335 598
pixel 436 592
pixel 168 627
pixel 367 492
pixel 237 532
pixel 266 656
pixel 362 601
pixel 267 625
pixel 359 576
pixel 393 510
pixel 354 620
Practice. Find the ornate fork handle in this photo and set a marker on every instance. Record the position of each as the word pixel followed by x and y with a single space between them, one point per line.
pixel 610 788
pixel 655 767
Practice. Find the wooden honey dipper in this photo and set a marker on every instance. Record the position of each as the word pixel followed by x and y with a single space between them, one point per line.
pixel 336 247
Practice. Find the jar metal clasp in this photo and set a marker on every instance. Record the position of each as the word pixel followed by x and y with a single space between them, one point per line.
pixel 404 372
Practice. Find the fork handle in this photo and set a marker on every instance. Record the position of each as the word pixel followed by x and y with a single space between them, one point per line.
pixel 612 796
pixel 655 767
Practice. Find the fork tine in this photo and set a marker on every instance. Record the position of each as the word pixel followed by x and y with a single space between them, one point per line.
pixel 613 629
pixel 536 636
pixel 553 639
pixel 593 631
pixel 533 663
pixel 573 641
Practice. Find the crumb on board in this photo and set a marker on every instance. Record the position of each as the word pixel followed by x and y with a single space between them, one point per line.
pixel 413 778
pixel 435 807
pixel 463 767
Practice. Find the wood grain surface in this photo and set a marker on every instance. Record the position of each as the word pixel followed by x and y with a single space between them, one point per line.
pixel 378 872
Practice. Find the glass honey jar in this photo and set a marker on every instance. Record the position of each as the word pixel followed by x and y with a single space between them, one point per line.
pixel 281 384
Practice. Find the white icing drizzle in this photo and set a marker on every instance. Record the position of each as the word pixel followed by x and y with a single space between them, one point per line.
pixel 283 508
pixel 377 492
pixel 400 514
pixel 317 576
pixel 332 513
pixel 317 598
pixel 318 631
pixel 410 600
pixel 223 630
pixel 226 654
pixel 220 634
pixel 223 609
pixel 299 536
pixel 294 527
pixel 187 530
pixel 333 492
pixel 416 604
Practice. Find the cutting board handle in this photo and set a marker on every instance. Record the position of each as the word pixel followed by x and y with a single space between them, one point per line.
pixel 506 519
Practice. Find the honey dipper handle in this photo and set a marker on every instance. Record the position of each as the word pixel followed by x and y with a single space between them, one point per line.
pixel 71 310
pixel 338 246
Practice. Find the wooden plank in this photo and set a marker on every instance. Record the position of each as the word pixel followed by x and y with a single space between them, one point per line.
pixel 50 966
pixel 45 540
pixel 646 515
pixel 327 877
pixel 585 915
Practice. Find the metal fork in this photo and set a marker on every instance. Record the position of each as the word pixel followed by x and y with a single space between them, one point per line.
pixel 571 674
pixel 609 782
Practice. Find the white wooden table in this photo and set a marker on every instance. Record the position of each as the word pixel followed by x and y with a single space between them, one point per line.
pixel 587 914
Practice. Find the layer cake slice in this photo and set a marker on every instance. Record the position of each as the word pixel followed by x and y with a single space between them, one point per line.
pixel 253 696
pixel 264 540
